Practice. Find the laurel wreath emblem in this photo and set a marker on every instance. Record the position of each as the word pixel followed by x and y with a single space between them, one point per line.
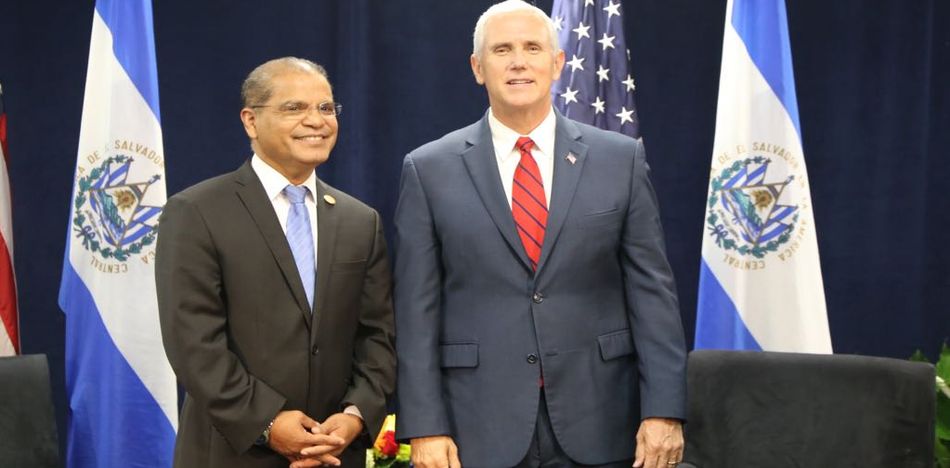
pixel 718 229
pixel 86 232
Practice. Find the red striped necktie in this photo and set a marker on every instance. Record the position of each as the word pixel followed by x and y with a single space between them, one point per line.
pixel 528 203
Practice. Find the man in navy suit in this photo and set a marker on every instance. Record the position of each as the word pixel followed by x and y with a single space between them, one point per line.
pixel 536 313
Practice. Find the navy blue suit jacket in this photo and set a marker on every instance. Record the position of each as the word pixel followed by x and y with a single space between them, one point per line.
pixel 476 326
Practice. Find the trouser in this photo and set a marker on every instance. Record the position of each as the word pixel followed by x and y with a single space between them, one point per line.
pixel 545 452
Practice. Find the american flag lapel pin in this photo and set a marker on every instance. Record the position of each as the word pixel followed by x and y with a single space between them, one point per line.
pixel 571 158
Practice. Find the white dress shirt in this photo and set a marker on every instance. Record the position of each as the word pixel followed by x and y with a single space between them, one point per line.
pixel 507 156
pixel 274 183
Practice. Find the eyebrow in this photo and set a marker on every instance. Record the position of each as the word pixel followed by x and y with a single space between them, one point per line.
pixel 527 42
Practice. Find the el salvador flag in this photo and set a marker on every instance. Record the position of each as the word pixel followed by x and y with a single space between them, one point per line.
pixel 760 285
pixel 121 390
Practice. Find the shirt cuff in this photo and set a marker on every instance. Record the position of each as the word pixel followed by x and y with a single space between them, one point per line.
pixel 353 410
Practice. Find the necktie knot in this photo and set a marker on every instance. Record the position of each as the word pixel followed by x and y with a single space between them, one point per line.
pixel 524 145
pixel 296 193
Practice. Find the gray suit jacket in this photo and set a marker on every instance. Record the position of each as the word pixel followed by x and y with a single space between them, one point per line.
pixel 476 326
pixel 238 329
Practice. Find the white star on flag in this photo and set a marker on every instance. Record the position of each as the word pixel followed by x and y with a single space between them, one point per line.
pixel 602 73
pixel 576 63
pixel 598 105
pixel 607 41
pixel 569 96
pixel 588 2
pixel 581 31
pixel 625 115
pixel 558 23
pixel 612 9
pixel 629 83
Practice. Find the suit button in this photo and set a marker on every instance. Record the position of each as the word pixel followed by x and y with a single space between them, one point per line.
pixel 532 359
pixel 537 298
pixel 315 351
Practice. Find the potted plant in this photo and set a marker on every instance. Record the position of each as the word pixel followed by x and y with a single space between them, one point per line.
pixel 942 432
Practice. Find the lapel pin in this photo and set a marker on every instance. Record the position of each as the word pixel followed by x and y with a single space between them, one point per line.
pixel 571 158
pixel 329 199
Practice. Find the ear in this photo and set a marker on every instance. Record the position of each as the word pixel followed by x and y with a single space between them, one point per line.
pixel 248 118
pixel 477 69
pixel 558 64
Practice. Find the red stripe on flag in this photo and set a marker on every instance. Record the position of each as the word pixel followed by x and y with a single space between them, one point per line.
pixel 8 310
pixel 3 136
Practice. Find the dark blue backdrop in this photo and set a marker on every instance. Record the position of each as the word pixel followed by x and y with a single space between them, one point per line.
pixel 872 82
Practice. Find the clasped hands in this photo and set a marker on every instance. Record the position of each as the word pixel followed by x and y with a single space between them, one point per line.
pixel 307 443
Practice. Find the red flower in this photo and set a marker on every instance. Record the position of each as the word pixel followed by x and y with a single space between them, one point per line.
pixel 390 448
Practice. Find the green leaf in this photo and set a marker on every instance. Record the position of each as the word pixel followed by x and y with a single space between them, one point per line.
pixel 942 454
pixel 943 363
pixel 405 453
pixel 943 418
pixel 918 356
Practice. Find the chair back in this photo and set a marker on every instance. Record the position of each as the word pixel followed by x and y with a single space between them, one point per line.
pixel 769 409
pixel 28 436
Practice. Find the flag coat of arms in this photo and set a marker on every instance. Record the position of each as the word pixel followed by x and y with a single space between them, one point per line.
pixel 760 282
pixel 122 392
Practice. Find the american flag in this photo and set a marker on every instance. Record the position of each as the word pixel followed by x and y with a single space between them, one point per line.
pixel 596 86
pixel 9 335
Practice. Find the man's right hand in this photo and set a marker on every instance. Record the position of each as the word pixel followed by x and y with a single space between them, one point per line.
pixel 435 452
pixel 293 431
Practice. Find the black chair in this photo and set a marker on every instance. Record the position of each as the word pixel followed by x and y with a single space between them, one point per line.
pixel 27 425
pixel 767 409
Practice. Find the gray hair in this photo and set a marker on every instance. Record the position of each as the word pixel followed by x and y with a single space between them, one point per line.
pixel 510 6
pixel 257 88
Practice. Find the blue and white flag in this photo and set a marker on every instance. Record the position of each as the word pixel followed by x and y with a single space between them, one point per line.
pixel 760 285
pixel 121 390
pixel 595 86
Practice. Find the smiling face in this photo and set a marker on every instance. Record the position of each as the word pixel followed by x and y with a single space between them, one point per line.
pixel 517 65
pixel 293 145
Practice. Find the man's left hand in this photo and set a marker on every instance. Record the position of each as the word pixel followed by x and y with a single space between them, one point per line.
pixel 342 425
pixel 659 443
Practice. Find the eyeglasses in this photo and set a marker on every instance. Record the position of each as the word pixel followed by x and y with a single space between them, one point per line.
pixel 295 110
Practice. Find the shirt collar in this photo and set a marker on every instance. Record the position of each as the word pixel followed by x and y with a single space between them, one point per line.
pixel 504 137
pixel 274 182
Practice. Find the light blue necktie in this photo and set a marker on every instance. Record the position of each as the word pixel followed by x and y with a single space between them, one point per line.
pixel 300 237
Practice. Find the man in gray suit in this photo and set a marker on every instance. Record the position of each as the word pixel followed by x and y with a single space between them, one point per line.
pixel 275 294
pixel 536 312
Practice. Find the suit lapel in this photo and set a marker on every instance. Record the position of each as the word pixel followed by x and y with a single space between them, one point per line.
pixel 479 159
pixel 327 226
pixel 252 195
pixel 567 141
